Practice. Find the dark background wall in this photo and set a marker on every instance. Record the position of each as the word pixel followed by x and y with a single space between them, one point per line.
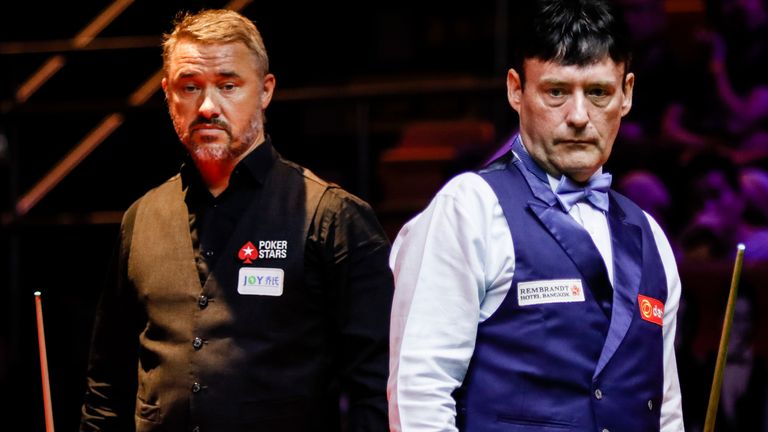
pixel 350 76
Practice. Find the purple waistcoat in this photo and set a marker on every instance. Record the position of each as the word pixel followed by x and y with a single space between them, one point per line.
pixel 589 365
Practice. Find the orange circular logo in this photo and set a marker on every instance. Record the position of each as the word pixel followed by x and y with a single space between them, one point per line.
pixel 646 308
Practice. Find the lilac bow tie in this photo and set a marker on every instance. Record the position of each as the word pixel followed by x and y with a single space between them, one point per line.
pixel 569 192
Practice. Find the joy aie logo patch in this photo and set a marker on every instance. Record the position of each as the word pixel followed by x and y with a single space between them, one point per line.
pixel 260 281
pixel 651 310
pixel 266 249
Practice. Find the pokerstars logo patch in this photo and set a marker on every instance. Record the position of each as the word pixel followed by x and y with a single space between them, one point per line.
pixel 273 249
pixel 651 310
pixel 267 249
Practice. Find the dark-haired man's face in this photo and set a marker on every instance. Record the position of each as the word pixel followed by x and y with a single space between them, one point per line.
pixel 569 114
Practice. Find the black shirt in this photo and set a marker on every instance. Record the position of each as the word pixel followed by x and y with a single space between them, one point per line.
pixel 326 334
pixel 212 220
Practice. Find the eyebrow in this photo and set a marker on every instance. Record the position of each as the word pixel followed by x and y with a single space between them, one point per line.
pixel 554 81
pixel 228 74
pixel 220 74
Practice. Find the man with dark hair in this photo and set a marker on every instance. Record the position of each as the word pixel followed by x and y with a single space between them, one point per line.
pixel 529 295
pixel 248 294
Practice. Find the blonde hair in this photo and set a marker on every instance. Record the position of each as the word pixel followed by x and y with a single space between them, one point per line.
pixel 213 26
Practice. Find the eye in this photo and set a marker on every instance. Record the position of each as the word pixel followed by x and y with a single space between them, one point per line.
pixel 555 95
pixel 189 88
pixel 600 96
pixel 556 92
pixel 228 86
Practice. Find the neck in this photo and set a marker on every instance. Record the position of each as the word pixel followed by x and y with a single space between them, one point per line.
pixel 215 174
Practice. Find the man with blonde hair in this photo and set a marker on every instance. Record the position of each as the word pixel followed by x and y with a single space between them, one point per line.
pixel 247 294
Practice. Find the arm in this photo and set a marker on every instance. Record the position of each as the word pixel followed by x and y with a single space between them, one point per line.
pixel 452 264
pixel 356 250
pixel 671 408
pixel 110 395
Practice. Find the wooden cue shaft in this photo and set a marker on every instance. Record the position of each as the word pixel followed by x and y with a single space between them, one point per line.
pixel 44 364
pixel 717 380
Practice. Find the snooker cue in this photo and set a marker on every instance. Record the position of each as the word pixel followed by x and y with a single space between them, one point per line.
pixel 44 364
pixel 717 380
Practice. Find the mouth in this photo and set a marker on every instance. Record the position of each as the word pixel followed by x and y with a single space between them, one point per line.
pixel 206 127
pixel 209 132
pixel 577 142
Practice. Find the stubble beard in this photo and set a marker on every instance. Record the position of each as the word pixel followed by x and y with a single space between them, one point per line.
pixel 208 150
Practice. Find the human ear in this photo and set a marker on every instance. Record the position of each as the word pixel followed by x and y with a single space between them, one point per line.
pixel 267 90
pixel 514 89
pixel 629 85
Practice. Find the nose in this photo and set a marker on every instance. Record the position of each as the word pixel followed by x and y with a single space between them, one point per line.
pixel 578 115
pixel 209 107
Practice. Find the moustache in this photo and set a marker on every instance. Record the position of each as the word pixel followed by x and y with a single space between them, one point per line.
pixel 216 122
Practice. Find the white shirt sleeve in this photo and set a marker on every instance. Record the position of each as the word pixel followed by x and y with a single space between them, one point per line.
pixel 453 265
pixel 671 405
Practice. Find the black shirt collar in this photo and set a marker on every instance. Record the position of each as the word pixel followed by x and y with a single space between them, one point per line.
pixel 258 162
pixel 254 168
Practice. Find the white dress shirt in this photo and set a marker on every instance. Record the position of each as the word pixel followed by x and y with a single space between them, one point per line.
pixel 453 265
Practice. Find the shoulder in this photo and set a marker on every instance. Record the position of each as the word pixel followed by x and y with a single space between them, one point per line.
pixel 158 192
pixel 346 222
pixel 625 203
pixel 346 211
pixel 637 215
pixel 334 197
pixel 172 184
pixel 156 195
pixel 334 205
pixel 467 197
pixel 640 216
pixel 465 200
pixel 467 187
pixel 302 173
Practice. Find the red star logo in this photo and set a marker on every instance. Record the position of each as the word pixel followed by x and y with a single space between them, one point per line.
pixel 248 252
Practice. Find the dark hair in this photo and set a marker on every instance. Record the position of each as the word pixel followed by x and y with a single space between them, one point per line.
pixel 570 32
